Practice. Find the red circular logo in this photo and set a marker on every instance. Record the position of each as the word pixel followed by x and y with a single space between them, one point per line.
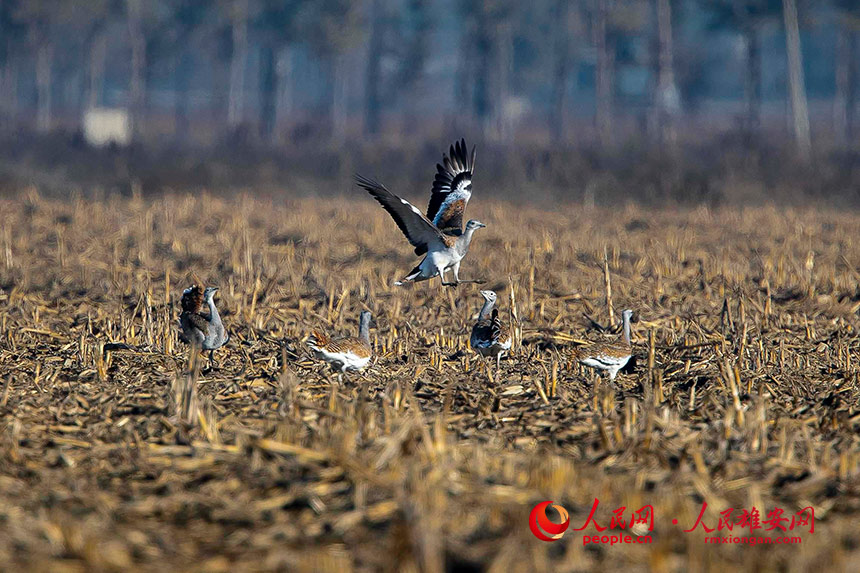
pixel 540 523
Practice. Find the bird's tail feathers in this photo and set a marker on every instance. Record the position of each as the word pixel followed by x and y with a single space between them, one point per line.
pixel 413 274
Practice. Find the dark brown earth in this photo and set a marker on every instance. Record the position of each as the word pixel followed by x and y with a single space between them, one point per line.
pixel 744 391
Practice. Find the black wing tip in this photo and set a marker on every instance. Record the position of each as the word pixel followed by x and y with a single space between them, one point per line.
pixel 367 183
pixel 459 157
pixel 458 161
pixel 362 180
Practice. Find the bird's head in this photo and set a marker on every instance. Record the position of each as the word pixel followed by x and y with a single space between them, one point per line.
pixel 627 315
pixel 209 293
pixel 474 224
pixel 488 295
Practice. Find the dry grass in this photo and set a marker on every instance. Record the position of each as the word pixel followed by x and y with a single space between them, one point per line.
pixel 745 391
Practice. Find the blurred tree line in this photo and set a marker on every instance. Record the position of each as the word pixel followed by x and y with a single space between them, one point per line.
pixel 279 72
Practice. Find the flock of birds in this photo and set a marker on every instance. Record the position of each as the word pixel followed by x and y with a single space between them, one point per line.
pixel 441 238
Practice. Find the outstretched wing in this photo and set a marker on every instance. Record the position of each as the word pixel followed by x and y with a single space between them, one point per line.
pixel 417 228
pixel 452 189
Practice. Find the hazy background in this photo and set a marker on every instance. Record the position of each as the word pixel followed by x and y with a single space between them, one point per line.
pixel 591 100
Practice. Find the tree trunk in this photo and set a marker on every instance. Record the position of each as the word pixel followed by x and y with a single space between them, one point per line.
pixel 138 67
pixel 604 80
pixel 796 84
pixel 339 98
pixel 481 93
pixel 843 102
pixel 503 122
pixel 561 69
pixel 463 83
pixel 236 103
pixel 372 73
pixel 668 99
pixel 182 93
pixel 411 70
pixel 752 80
pixel 9 92
pixel 268 92
pixel 284 106
pixel 44 81
pixel 95 80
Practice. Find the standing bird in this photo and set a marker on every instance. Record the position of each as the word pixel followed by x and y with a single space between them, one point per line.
pixel 608 356
pixel 490 336
pixel 198 330
pixel 439 234
pixel 345 354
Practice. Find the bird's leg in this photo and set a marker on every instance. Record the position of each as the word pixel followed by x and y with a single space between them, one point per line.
pixel 212 364
pixel 455 271
pixel 442 276
pixel 459 280
pixel 332 397
pixel 498 366
pixel 612 384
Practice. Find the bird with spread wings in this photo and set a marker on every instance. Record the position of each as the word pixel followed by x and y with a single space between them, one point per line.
pixel 439 235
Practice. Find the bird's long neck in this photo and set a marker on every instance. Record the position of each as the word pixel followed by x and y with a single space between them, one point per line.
pixel 464 240
pixel 214 317
pixel 486 310
pixel 627 329
pixel 364 329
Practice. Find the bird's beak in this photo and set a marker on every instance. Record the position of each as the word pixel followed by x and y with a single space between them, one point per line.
pixel 481 225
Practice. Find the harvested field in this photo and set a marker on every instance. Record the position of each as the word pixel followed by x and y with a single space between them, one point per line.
pixel 112 456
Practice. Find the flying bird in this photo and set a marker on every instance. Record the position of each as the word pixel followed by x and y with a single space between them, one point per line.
pixel 608 356
pixel 345 354
pixel 439 235
pixel 197 329
pixel 491 336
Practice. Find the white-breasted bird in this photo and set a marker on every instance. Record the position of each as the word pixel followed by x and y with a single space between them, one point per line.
pixel 345 354
pixel 439 234
pixel 608 356
pixel 491 336
pixel 201 331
